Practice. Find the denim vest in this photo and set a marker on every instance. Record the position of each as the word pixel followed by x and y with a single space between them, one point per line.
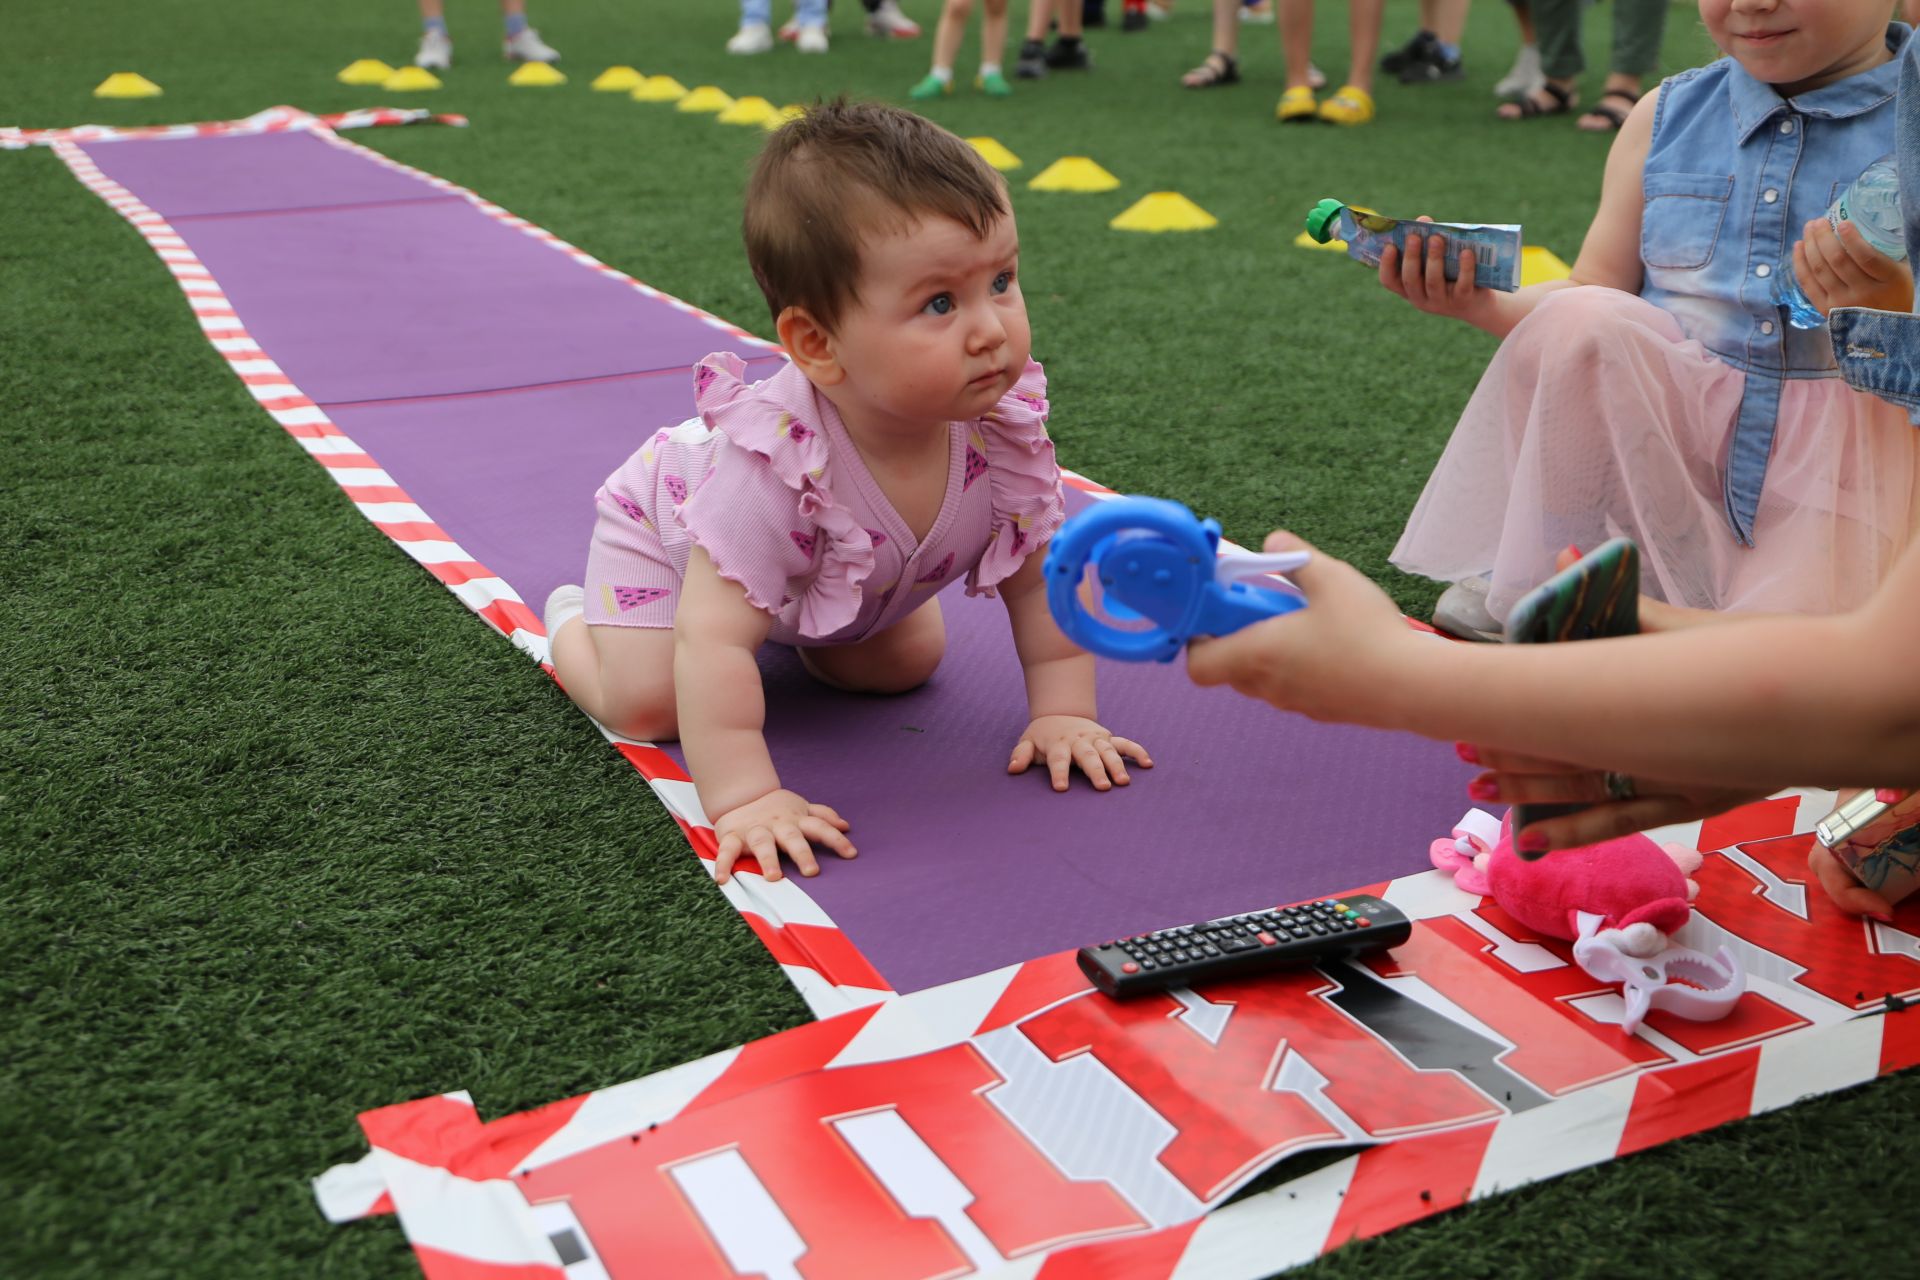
pixel 1733 172
pixel 1879 351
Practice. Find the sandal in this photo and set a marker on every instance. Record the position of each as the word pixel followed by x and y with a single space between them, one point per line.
pixel 1219 68
pixel 1296 104
pixel 1352 105
pixel 1605 117
pixel 1529 106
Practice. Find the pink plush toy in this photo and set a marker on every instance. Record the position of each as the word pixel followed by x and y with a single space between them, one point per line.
pixel 1617 902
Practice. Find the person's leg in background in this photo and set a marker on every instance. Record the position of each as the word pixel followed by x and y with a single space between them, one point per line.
pixel 1434 52
pixel 1638 26
pixel 1557 29
pixel 993 48
pixel 947 36
pixel 1525 75
pixel 1222 65
pixel 885 19
pixel 1352 104
pixel 756 28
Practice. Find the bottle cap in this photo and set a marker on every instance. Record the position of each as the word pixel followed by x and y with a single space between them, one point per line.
pixel 1321 218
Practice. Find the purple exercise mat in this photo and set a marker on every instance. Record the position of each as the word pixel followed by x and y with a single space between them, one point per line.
pixel 434 309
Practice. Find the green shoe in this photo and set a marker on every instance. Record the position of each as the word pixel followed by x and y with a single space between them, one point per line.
pixel 994 85
pixel 932 87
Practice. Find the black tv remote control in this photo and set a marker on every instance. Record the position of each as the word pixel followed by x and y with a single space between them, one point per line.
pixel 1233 946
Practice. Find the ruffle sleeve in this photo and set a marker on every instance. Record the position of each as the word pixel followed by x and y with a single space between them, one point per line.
pixel 766 516
pixel 1027 503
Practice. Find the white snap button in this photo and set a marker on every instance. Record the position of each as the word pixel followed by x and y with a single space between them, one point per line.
pixel 1770 195
pixel 1763 271
pixel 1786 126
pixel 1766 326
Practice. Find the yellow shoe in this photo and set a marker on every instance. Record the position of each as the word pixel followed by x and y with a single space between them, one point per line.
pixel 1296 104
pixel 1352 105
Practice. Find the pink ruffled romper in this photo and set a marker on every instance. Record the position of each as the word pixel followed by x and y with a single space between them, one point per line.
pixel 767 481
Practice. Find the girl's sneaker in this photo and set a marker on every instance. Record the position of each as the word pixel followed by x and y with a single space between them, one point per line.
pixel 1296 104
pixel 993 84
pixel 436 51
pixel 888 21
pixel 527 46
pixel 811 40
pixel 1352 105
pixel 931 87
pixel 1031 64
pixel 752 37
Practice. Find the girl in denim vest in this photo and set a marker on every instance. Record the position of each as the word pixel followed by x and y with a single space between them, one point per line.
pixel 1659 393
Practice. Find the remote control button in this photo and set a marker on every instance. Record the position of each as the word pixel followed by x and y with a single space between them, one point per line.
pixel 1129 967
pixel 1208 949
pixel 1267 939
pixel 1148 962
pixel 1298 931
pixel 1363 922
pixel 1233 945
pixel 1318 928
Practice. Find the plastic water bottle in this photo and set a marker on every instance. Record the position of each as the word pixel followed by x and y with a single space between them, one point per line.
pixel 1872 205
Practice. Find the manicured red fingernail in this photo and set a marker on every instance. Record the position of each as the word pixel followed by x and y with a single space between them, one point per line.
pixel 1483 789
pixel 1467 751
pixel 1882 916
pixel 1888 795
pixel 1532 842
pixel 1574 551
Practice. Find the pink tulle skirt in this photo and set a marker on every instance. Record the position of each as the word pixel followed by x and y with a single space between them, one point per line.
pixel 1599 419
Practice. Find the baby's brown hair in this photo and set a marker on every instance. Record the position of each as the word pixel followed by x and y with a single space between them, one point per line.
pixel 845 170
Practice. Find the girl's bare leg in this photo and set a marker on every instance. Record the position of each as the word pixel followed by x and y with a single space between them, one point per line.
pixel 621 676
pixel 898 659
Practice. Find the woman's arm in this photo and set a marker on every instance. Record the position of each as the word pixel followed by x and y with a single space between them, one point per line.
pixel 1760 703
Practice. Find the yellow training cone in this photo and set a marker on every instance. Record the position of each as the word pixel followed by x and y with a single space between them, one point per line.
pixel 748 111
pixel 126 84
pixel 659 89
pixel 618 80
pixel 537 75
pixel 705 98
pixel 1164 211
pixel 365 71
pixel 1539 265
pixel 994 154
pixel 411 80
pixel 792 111
pixel 1074 173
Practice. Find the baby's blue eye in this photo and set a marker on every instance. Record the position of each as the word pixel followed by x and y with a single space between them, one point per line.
pixel 939 305
pixel 1003 282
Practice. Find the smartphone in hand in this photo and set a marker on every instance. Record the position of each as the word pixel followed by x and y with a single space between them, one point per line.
pixel 1596 597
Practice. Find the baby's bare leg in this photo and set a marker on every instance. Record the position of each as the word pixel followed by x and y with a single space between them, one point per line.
pixel 898 659
pixel 621 676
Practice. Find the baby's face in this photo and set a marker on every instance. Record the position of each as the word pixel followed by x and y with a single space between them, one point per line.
pixel 939 333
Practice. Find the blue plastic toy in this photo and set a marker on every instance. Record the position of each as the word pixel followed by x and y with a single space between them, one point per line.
pixel 1136 578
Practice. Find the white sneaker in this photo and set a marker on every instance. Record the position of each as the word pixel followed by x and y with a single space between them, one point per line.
pixel 564 605
pixel 1462 611
pixel 436 51
pixel 1260 17
pixel 1526 78
pixel 752 37
pixel 529 47
pixel 887 20
pixel 811 40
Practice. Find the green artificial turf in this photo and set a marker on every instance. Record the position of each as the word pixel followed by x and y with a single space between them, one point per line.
pixel 286 834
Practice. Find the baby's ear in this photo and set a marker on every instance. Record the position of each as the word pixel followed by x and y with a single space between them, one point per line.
pixel 810 345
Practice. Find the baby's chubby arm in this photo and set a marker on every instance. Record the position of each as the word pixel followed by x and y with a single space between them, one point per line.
pixel 723 711
pixel 1060 698
pixel 1610 255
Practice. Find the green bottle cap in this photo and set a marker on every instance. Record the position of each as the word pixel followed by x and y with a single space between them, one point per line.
pixel 1321 219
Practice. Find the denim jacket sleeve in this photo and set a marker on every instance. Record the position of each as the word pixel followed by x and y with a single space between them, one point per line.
pixel 1879 352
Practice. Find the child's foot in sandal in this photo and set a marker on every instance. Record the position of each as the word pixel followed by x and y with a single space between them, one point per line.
pixel 1296 104
pixel 1219 68
pixel 1551 100
pixel 1352 105
pixel 1608 112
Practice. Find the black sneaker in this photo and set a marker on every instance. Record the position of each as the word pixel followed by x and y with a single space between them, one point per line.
pixel 1422 48
pixel 1032 62
pixel 1069 53
pixel 1433 70
pixel 1134 20
pixel 1093 13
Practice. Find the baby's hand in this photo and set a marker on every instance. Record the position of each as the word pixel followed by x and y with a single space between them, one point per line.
pixel 778 820
pixel 1065 741
pixel 1421 278
pixel 1843 270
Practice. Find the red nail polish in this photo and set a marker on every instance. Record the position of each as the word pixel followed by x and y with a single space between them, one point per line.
pixel 1889 795
pixel 1533 842
pixel 1483 789
pixel 1882 916
pixel 1576 551
pixel 1467 751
